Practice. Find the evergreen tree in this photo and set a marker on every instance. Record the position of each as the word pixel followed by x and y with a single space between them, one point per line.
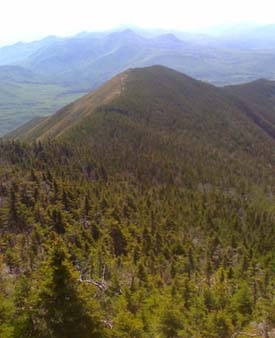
pixel 63 313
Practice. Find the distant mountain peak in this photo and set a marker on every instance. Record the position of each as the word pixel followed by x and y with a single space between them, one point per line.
pixel 123 38
pixel 168 37
pixel 167 40
pixel 263 81
pixel 126 33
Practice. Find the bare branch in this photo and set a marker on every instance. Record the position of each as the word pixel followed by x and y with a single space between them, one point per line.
pixel 236 334
pixel 103 273
pixel 100 285
pixel 108 323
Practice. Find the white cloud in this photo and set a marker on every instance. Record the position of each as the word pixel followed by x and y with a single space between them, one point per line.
pixel 29 19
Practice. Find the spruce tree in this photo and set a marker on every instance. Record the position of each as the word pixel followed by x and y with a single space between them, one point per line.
pixel 64 313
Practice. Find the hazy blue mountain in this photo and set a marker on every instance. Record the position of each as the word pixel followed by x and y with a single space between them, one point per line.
pixel 87 60
pixel 20 51
pixel 18 74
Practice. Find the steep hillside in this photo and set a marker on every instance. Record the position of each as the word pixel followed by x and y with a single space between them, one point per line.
pixel 55 125
pixel 160 99
pixel 259 96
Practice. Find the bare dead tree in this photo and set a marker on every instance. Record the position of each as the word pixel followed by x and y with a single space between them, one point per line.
pixel 262 331
pixel 239 333
pixel 103 273
pixel 108 323
pixel 98 284
pixel 101 285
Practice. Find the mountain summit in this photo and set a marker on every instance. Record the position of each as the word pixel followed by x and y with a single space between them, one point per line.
pixel 157 98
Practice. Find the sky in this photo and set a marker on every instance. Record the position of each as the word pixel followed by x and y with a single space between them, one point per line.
pixel 27 20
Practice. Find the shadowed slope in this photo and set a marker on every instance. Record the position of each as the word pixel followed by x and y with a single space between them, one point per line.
pixel 259 96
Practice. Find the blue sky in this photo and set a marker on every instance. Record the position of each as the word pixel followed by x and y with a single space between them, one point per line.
pixel 31 19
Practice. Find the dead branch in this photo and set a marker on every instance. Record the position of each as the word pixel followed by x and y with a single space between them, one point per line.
pixel 103 273
pixel 236 334
pixel 108 324
pixel 101 285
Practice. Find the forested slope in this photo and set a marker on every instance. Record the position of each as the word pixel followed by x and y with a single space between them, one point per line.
pixel 151 215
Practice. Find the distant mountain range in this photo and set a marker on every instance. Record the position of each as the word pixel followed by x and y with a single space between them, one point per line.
pixel 40 77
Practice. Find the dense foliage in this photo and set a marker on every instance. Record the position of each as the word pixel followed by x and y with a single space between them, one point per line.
pixel 173 251
pixel 131 227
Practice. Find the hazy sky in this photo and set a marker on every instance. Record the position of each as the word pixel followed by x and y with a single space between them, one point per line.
pixel 30 19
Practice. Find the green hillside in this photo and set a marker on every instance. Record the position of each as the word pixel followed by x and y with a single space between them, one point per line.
pixel 259 95
pixel 144 209
pixel 158 97
pixel 24 95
